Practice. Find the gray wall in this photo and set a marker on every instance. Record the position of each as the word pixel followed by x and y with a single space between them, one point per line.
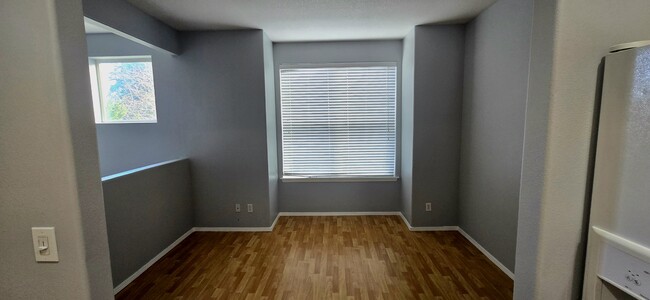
pixel 127 146
pixel 271 133
pixel 222 73
pixel 569 40
pixel 338 196
pixel 437 98
pixel 60 187
pixel 408 84
pixel 130 22
pixel 211 105
pixel 146 211
pixel 497 50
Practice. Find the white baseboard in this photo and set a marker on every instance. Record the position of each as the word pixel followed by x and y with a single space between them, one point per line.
pixel 295 214
pixel 146 266
pixel 126 282
pixel 233 229
pixel 487 254
pixel 434 228
pixel 275 221
pixel 139 272
pixel 337 213
pixel 478 246
pixel 427 228
pixel 239 229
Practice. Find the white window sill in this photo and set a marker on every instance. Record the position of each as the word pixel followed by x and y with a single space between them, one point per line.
pixel 126 122
pixel 339 179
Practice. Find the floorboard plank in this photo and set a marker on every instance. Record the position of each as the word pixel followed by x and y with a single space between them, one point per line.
pixel 341 257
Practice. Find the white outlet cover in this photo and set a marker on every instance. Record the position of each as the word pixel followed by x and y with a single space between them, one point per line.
pixel 250 208
pixel 44 237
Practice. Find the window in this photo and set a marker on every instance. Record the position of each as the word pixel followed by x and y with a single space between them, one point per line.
pixel 123 90
pixel 338 121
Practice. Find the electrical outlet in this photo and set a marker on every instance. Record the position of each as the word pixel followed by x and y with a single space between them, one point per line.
pixel 237 208
pixel 250 208
pixel 427 206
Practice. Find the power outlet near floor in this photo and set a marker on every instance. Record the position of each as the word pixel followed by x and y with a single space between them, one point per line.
pixel 237 208
pixel 427 206
pixel 250 208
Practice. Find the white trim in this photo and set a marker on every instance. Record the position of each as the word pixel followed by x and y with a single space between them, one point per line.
pixel 139 272
pixel 239 229
pixel 434 228
pixel 628 246
pixel 233 229
pixel 406 222
pixel 487 254
pixel 126 58
pixel 294 214
pixel 338 213
pixel 128 172
pixel 275 221
pixel 340 179
pixel 146 266
pixel 426 228
pixel 126 122
pixel 627 46
pixel 338 65
pixel 135 275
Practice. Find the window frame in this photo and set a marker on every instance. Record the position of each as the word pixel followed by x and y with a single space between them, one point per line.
pixel 364 178
pixel 96 86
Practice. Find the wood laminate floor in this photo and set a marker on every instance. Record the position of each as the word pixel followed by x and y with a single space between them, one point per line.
pixel 358 257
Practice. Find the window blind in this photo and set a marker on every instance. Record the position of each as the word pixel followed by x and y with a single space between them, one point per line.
pixel 338 121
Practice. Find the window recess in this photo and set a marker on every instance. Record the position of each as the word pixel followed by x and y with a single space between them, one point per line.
pixel 338 122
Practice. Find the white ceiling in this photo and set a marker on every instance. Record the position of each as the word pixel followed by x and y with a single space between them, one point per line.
pixel 313 20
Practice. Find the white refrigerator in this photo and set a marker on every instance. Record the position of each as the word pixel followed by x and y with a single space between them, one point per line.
pixel 618 248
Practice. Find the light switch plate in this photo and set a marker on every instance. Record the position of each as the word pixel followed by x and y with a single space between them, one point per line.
pixel 44 240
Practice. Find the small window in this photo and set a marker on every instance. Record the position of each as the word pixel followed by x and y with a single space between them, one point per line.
pixel 338 122
pixel 123 90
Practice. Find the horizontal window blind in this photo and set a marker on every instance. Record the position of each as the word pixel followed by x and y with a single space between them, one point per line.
pixel 338 121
